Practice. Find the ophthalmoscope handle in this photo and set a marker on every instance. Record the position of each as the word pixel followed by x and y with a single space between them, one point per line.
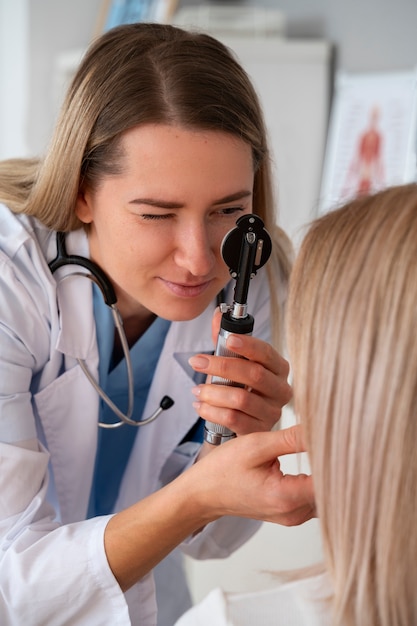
pixel 245 249
pixel 216 433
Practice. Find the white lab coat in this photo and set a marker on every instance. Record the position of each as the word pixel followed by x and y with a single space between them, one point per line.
pixel 53 568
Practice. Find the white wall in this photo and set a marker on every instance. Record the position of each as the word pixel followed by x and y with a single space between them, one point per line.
pixel 293 80
pixel 55 27
pixel 368 35
pixel 14 73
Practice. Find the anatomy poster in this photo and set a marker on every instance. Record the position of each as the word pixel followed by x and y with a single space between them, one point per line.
pixel 372 136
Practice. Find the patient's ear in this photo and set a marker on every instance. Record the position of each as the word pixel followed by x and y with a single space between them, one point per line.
pixel 83 208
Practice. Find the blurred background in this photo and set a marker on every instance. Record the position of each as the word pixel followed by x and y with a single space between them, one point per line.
pixel 297 53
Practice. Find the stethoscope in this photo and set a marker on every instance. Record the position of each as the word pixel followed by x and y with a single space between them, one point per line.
pixel 96 274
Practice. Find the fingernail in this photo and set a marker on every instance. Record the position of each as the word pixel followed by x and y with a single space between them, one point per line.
pixel 196 391
pixel 197 406
pixel 234 341
pixel 199 362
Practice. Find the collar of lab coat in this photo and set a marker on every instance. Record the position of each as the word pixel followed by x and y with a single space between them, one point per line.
pixel 77 334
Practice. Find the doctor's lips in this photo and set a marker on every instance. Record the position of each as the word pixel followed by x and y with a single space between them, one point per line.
pixel 187 290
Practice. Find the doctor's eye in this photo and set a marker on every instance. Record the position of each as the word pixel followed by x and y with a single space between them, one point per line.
pixel 153 216
pixel 230 210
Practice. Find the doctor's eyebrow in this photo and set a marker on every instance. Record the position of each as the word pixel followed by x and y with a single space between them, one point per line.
pixel 239 195
pixel 162 204
pixel 165 204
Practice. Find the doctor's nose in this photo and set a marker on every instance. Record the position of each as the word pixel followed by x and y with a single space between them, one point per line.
pixel 195 252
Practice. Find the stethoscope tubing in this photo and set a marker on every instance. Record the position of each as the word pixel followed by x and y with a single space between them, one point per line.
pixel 97 275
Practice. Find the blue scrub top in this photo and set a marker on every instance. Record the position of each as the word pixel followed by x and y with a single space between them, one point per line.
pixel 115 445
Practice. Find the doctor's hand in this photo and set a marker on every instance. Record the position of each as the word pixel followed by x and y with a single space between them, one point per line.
pixel 263 372
pixel 243 478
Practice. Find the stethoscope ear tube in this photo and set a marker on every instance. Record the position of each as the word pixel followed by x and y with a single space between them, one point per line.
pixel 100 278
pixel 96 274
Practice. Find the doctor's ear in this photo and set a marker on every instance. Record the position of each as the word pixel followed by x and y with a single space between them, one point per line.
pixel 83 207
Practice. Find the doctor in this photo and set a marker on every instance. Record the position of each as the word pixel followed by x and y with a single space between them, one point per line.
pixel 159 148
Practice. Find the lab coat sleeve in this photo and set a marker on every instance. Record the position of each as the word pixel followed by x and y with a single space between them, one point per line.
pixel 49 574
pixel 221 538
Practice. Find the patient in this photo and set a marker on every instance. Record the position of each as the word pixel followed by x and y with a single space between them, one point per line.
pixel 352 335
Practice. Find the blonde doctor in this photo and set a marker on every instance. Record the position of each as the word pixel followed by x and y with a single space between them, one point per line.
pixel 159 148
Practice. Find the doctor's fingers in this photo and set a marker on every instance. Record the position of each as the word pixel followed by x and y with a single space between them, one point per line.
pixel 259 351
pixel 256 478
pixel 236 408
pixel 294 516
pixel 256 501
pixel 295 502
pixel 270 384
pixel 292 495
pixel 262 450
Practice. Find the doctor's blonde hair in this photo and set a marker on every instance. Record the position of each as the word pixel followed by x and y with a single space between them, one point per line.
pixel 352 320
pixel 140 74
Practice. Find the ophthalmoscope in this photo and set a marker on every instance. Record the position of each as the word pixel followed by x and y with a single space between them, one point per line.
pixel 245 249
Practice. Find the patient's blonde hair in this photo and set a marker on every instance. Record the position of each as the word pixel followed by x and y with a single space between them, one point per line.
pixel 352 335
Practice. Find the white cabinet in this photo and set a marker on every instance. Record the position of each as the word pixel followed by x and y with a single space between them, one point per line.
pixel 293 80
pixel 14 73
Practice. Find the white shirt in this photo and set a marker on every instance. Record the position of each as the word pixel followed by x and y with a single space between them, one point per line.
pixel 304 602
